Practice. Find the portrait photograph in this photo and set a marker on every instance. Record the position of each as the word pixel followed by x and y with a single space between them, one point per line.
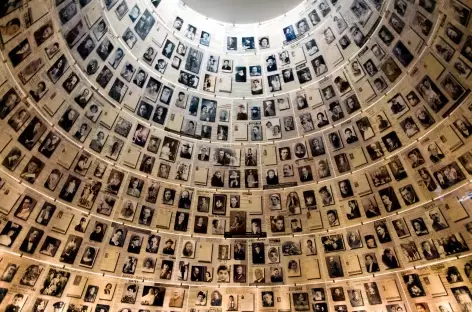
pixel 333 243
pixel 462 69
pixel 365 128
pixel 205 38
pixel 49 286
pixel 443 49
pixel 397 169
pixel 99 29
pixel 377 51
pixel 452 87
pixel 402 54
pixel 161 66
pixel 144 24
pixel 289 33
pixel 213 63
pixel 104 49
pixel 169 149
pixel 334 266
pixel 389 199
pixel 342 163
pixel 449 175
pixel 319 65
pixel 153 296
pixel 460 12
pixel 149 266
pixel 194 60
pixel 431 94
pixel 127 71
pixel 411 252
pixel 247 43
pixel 118 90
pixel 227 66
pixel 88 257
pixel 293 269
pixel 209 83
pixel 104 77
pixel 31 275
pixel 219 204
pixel 58 68
pixel 455 239
pixel 121 10
pixel 391 70
pixel 361 10
pixel 86 47
pixel 398 106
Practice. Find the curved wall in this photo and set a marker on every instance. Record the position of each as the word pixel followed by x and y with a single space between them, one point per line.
pixel 154 157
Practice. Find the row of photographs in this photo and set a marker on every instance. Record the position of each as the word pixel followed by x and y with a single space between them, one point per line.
pixel 432 286
pixel 134 188
pixel 462 123
pixel 273 64
pixel 69 119
pixel 222 131
pixel 194 58
pixel 274 127
pixel 175 15
pixel 91 191
pixel 202 212
pixel 85 240
pixel 317 15
pixel 426 153
pixel 397 104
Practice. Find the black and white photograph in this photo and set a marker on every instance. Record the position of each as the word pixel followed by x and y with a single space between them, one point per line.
pixel 467 48
pixel 213 63
pixel 227 66
pixel 72 246
pixel 68 12
pixel 31 240
pixel 24 209
pixel 402 54
pixel 248 43
pixel 275 84
pixel 452 244
pixel 452 87
pixel 319 66
pixel 169 149
pixel 231 43
pixel 121 10
pixel 50 286
pixel 240 75
pixel 431 94
pixel 289 33
pixel 333 243
pixel 144 24
pixel 194 60
pixel 390 69
pixel 9 233
pixel 463 126
pixel 58 68
pixel 12 159
pixel 311 47
pixel 188 79
pixel 449 175
pixel 88 258
pixel 397 105
pixel 460 12
pixel 409 126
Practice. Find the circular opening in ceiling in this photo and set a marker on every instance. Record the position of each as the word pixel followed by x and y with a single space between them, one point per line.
pixel 242 11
